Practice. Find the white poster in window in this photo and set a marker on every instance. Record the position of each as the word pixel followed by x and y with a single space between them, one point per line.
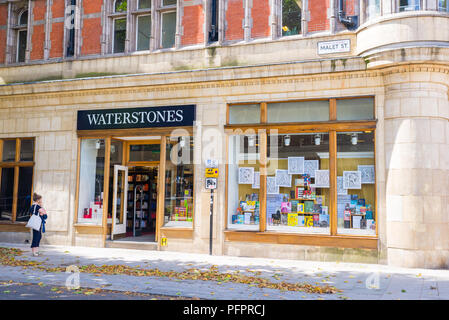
pixel 295 165
pixel 272 188
pixel 310 166
pixel 352 180
pixel 246 175
pixel 368 175
pixel 321 178
pixel 256 183
pixel 340 190
pixel 283 179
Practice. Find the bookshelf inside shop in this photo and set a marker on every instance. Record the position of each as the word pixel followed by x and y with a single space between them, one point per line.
pixel 145 200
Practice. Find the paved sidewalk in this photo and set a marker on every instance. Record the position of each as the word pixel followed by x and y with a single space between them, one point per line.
pixel 356 280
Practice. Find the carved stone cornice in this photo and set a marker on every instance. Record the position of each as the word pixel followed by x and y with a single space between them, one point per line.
pixel 264 84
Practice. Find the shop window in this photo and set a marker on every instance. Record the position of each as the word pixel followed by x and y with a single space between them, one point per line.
pixel 409 5
pixel 372 9
pixel 168 29
pixel 244 182
pixel 298 183
pixel 179 173
pixel 7 189
pixel 291 17
pixel 302 111
pixel 355 109
pixel 16 179
pixel 356 204
pixel 443 5
pixel 246 113
pixel 27 150
pixel 143 32
pixel 144 152
pixel 91 177
pixel 9 150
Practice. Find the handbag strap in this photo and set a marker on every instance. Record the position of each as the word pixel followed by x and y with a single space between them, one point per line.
pixel 35 206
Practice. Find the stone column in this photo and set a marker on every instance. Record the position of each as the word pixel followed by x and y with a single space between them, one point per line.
pixel 417 166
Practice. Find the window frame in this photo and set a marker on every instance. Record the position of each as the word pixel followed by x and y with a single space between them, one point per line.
pixel 121 17
pixel 17 164
pixel 300 33
pixel 138 15
pixel 420 6
pixel 163 11
pixel 18 29
pixel 333 126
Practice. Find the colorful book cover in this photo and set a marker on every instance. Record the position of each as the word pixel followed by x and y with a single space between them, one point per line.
pixel 294 205
pixel 247 218
pixel 324 220
pixel 361 202
pixel 320 199
pixel 308 221
pixel 317 208
pixel 300 208
pixel 292 219
pixel 308 206
pixel 286 207
pixel 347 215
pixel 300 220
pixel 316 220
pixel 324 209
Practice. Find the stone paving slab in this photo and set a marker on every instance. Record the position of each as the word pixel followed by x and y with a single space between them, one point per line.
pixel 354 279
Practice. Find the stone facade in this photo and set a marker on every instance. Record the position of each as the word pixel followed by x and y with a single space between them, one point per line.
pixel 401 59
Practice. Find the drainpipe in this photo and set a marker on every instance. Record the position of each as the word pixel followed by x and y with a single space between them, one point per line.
pixel 350 22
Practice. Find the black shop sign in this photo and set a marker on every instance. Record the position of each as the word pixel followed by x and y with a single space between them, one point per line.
pixel 130 118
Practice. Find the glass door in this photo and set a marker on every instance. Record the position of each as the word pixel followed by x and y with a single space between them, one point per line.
pixel 119 204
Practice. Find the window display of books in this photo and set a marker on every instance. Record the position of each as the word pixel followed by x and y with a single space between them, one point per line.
pixel 357 214
pixel 247 211
pixel 303 206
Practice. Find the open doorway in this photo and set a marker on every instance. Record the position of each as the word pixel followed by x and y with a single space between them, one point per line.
pixel 142 203
pixel 133 189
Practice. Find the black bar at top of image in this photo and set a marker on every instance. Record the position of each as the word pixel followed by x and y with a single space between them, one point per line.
pixel 135 118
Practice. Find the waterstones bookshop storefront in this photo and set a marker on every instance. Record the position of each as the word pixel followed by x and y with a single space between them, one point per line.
pixel 135 174
pixel 293 173
pixel 297 179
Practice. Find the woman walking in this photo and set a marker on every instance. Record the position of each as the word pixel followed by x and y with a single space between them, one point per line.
pixel 37 209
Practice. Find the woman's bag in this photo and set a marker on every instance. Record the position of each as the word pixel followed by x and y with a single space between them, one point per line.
pixel 35 221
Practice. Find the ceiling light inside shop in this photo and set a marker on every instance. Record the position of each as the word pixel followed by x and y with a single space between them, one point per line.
pixel 287 140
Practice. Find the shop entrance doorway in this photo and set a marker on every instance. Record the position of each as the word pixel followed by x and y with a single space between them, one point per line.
pixel 134 192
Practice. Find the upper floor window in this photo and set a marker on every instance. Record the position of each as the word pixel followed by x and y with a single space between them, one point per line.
pixel 443 5
pixel 119 26
pixel 168 23
pixel 372 9
pixel 132 23
pixel 22 32
pixel 409 5
pixel 213 31
pixel 70 11
pixel 291 17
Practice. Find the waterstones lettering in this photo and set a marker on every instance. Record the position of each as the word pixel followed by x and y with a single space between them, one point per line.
pixel 171 116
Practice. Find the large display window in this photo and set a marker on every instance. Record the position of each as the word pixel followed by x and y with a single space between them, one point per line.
pixel 297 193
pixel 244 182
pixel 91 177
pixel 356 180
pixel 302 171
pixel 179 168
